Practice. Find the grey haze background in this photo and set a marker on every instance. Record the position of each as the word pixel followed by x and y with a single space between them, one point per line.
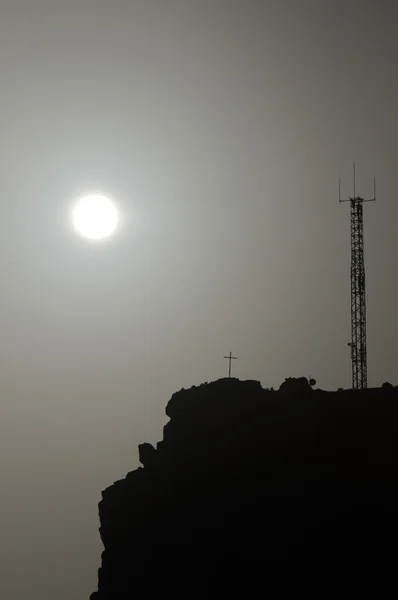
pixel 221 128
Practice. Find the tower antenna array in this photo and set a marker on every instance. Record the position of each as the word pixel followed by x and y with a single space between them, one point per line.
pixel 358 289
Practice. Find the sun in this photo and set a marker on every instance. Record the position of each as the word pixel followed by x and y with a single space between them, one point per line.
pixel 95 217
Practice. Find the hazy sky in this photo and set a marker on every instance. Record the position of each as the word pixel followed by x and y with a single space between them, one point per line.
pixel 221 128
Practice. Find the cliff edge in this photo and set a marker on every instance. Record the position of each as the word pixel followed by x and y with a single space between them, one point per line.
pixel 258 491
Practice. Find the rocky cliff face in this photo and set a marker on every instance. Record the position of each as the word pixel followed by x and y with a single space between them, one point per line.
pixel 252 489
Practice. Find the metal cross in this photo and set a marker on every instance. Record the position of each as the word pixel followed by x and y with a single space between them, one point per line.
pixel 230 358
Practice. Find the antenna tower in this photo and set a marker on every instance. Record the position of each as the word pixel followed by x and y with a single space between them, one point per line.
pixel 358 290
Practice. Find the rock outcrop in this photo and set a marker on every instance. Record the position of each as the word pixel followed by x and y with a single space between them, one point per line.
pixel 258 492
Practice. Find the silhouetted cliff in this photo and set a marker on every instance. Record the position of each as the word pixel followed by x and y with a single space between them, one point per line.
pixel 256 491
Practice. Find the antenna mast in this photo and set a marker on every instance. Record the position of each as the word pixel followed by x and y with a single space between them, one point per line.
pixel 358 290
